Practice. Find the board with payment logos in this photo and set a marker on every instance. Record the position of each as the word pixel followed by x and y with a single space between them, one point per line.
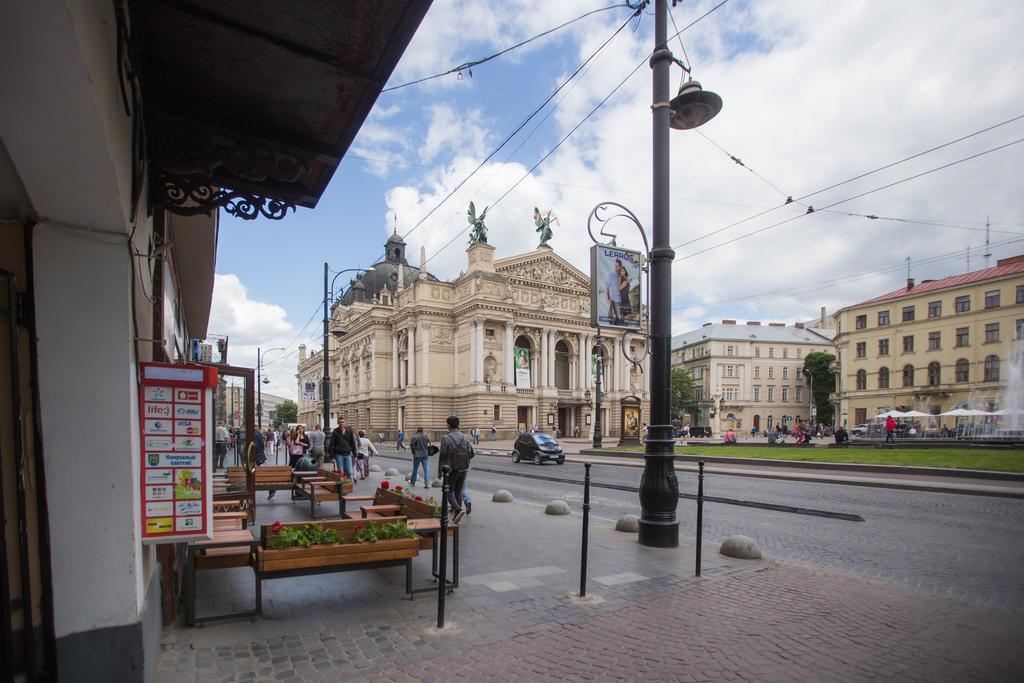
pixel 175 422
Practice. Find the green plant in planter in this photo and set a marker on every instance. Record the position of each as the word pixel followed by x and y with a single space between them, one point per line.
pixel 303 537
pixel 369 533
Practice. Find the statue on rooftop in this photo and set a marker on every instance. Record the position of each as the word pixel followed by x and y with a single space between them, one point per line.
pixel 543 223
pixel 479 233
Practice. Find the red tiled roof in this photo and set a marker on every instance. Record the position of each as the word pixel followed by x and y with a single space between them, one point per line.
pixel 1010 266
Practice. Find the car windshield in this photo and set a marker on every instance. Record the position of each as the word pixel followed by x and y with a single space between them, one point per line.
pixel 545 440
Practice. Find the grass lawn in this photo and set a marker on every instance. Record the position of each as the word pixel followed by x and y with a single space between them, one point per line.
pixel 971 459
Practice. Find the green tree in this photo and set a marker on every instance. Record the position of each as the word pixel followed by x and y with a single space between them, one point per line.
pixel 287 411
pixel 681 383
pixel 819 375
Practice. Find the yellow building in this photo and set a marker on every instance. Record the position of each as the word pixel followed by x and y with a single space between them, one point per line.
pixel 506 344
pixel 931 347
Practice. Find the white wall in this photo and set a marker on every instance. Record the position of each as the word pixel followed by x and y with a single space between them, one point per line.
pixel 90 423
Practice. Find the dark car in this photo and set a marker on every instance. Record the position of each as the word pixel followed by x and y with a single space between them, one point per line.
pixel 537 448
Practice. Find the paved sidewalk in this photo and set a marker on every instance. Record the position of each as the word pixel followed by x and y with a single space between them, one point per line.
pixel 512 617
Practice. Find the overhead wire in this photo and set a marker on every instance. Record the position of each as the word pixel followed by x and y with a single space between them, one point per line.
pixel 850 180
pixel 468 66
pixel 573 130
pixel 811 210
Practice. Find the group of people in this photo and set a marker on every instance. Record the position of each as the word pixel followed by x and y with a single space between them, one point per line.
pixel 350 451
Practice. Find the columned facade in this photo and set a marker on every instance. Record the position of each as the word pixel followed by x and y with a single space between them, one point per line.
pixel 508 344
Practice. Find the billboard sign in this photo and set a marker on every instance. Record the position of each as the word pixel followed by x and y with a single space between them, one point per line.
pixel 310 390
pixel 615 292
pixel 522 359
pixel 177 454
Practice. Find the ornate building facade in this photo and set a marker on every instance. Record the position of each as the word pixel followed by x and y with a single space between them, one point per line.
pixel 508 343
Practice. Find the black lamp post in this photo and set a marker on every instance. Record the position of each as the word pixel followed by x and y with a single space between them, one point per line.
pixel 599 352
pixel 325 387
pixel 259 382
pixel 659 489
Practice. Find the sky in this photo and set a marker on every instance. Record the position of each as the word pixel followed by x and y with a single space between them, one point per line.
pixel 815 94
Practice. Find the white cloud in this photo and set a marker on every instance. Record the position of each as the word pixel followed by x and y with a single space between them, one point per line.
pixel 814 93
pixel 251 324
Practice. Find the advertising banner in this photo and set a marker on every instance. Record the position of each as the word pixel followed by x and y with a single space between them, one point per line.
pixel 310 390
pixel 615 293
pixel 522 368
pixel 176 408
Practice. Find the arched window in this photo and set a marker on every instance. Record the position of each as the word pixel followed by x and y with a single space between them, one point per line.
pixel 883 378
pixel 562 365
pixel 523 360
pixel 862 379
pixel 992 369
pixel 963 370
pixel 908 375
pixel 934 374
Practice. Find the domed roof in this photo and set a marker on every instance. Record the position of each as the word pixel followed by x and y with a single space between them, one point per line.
pixel 383 274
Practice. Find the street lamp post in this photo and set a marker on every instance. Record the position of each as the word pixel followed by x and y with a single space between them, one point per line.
pixel 325 387
pixel 259 385
pixel 659 489
pixel 599 352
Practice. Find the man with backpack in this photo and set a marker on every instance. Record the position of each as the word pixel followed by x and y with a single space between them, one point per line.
pixel 456 452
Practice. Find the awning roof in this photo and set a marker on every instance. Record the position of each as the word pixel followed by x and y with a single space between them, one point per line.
pixel 260 96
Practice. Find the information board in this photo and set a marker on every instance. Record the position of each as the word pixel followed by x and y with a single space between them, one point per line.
pixel 175 422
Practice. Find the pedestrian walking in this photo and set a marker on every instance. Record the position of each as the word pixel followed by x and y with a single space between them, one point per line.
pixel 420 447
pixel 400 442
pixel 261 448
pixel 299 445
pixel 456 452
pixel 380 439
pixel 364 448
pixel 890 430
pixel 494 433
pixel 220 451
pixel 476 435
pixel 316 444
pixel 342 447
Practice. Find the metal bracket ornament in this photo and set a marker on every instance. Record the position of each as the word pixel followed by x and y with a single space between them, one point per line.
pixel 600 214
pixel 190 195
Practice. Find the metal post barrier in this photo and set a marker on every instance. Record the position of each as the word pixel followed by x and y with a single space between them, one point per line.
pixel 442 574
pixel 700 510
pixel 586 529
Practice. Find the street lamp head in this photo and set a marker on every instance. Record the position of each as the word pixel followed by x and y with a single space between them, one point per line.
pixel 266 380
pixel 693 106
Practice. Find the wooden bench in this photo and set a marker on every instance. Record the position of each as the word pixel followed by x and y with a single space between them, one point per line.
pixel 276 564
pixel 230 521
pixel 225 550
pixel 420 514
pixel 274 478
pixel 322 485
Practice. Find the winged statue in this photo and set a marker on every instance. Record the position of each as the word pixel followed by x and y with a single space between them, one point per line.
pixel 479 233
pixel 543 223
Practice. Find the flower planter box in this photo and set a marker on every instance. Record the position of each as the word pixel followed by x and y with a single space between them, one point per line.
pixel 412 508
pixel 321 556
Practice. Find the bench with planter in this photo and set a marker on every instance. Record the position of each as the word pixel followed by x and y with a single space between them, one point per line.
pixel 355 552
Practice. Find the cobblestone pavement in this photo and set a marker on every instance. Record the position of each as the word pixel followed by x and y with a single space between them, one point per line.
pixel 965 547
pixel 512 619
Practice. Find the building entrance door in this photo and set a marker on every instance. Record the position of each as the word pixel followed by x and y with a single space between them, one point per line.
pixel 523 418
pixel 564 421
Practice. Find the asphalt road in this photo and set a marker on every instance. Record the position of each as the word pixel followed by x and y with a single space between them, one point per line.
pixel 969 548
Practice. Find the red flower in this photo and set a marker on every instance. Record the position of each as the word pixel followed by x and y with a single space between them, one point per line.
pixel 398 488
pixel 385 485
pixel 277 527
pixel 359 528
pixel 419 497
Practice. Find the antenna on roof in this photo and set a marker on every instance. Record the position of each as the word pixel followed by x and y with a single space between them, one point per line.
pixel 967 251
pixel 908 267
pixel 987 253
pixel 395 228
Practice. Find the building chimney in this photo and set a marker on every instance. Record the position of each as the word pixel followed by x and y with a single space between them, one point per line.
pixel 302 352
pixel 823 316
pixel 728 322
pixel 754 322
pixel 798 326
pixel 776 324
pixel 910 283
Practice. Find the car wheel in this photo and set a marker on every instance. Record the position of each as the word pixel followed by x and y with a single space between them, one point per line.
pixel 561 461
pixel 515 456
pixel 537 460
